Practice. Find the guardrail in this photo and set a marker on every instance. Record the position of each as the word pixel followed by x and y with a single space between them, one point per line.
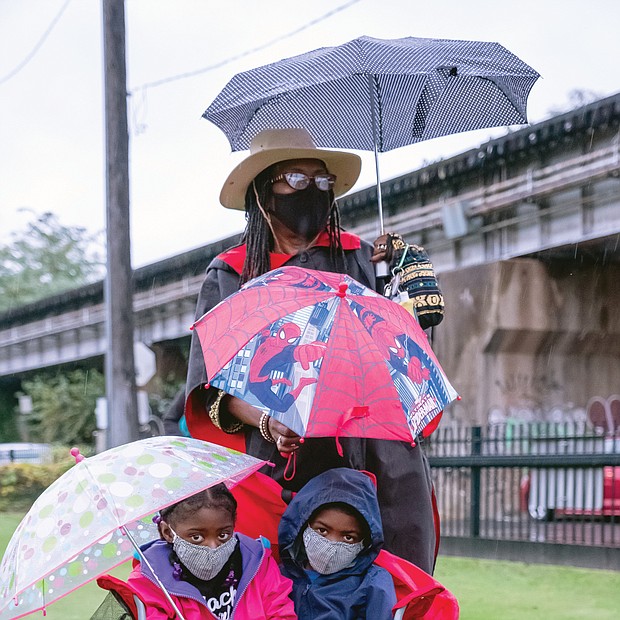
pixel 95 315
pixel 534 184
pixel 35 453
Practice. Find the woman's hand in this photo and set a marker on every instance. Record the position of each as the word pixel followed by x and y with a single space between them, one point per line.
pixel 383 250
pixel 286 440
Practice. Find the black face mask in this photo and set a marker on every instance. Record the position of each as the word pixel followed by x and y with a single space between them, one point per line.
pixel 304 212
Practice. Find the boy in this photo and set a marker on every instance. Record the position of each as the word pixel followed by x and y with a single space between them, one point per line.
pixel 329 536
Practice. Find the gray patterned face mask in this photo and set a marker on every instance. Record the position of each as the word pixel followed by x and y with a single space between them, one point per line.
pixel 326 556
pixel 203 562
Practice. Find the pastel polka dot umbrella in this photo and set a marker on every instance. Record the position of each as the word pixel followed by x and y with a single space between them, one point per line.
pixel 95 515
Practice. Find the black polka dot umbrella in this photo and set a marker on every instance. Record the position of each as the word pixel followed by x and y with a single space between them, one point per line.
pixel 378 95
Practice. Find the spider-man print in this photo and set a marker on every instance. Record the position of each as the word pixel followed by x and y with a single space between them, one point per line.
pixel 276 352
pixel 399 350
pixel 403 357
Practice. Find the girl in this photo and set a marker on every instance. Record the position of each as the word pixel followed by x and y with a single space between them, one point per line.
pixel 210 570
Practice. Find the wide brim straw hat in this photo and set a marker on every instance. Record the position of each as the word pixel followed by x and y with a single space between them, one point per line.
pixel 274 145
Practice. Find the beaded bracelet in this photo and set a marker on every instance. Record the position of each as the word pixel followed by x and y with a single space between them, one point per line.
pixel 263 427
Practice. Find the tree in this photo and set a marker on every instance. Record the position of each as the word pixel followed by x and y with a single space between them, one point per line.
pixel 577 98
pixel 47 258
pixel 63 405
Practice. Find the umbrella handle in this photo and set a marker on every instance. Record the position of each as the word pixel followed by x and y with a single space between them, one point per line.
pixel 382 269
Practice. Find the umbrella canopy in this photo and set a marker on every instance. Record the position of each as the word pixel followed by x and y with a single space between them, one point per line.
pixel 89 520
pixel 377 95
pixel 422 89
pixel 324 355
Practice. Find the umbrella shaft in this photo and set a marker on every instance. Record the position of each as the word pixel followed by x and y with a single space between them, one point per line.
pixel 379 200
pixel 375 141
pixel 180 616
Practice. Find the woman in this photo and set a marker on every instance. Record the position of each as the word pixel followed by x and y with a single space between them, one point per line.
pixel 287 188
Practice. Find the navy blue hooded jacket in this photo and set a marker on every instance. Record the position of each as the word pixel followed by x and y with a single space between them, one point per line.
pixel 361 591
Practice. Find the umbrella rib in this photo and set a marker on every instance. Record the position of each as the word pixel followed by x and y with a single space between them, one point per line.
pixel 150 567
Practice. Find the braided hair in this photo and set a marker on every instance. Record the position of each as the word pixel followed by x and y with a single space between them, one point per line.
pixel 217 496
pixel 259 238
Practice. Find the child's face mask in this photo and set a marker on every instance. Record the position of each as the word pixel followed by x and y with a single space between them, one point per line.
pixel 327 557
pixel 202 561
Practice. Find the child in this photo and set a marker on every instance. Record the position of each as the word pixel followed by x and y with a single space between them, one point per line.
pixel 210 570
pixel 329 536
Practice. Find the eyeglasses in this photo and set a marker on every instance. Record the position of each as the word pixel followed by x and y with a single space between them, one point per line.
pixel 299 180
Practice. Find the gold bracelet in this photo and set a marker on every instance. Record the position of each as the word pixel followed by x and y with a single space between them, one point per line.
pixel 214 415
pixel 263 427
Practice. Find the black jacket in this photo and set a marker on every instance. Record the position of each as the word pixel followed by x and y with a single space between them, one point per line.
pixel 403 477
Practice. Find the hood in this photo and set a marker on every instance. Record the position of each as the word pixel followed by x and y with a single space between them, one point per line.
pixel 335 485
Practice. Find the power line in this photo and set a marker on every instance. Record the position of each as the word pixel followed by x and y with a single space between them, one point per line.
pixel 37 47
pixel 188 74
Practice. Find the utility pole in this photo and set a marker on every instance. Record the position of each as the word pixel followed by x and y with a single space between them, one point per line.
pixel 118 292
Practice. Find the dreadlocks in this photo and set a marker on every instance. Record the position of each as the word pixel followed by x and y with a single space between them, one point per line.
pixel 258 237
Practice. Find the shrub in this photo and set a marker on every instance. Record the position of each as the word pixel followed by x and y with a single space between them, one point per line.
pixel 63 405
pixel 22 483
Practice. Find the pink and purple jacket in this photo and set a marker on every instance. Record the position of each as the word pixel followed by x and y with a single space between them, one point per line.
pixel 262 593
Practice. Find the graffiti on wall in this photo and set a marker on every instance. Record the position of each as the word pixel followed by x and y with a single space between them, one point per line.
pixel 527 398
pixel 604 413
pixel 533 398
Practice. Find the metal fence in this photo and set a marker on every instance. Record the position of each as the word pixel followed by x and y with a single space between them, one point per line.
pixel 36 453
pixel 537 482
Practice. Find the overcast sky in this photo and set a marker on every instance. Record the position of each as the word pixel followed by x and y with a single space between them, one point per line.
pixel 51 94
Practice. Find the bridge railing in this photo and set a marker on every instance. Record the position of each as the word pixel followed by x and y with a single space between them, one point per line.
pixel 185 288
pixel 534 184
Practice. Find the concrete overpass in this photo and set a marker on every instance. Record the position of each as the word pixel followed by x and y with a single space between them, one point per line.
pixel 548 195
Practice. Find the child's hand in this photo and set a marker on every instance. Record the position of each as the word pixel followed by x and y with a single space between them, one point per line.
pixel 287 441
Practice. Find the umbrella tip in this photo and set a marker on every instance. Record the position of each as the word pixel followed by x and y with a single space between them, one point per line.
pixel 459 397
pixel 75 453
pixel 342 289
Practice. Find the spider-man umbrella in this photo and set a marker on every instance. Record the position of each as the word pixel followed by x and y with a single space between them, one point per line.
pixel 324 355
pixel 96 514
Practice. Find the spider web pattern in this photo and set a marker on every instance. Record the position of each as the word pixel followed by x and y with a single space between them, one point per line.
pixel 354 374
pixel 228 327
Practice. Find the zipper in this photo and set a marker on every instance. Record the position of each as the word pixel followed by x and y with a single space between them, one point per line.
pixel 201 601
pixel 260 563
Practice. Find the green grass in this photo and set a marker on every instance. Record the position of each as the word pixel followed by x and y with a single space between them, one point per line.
pixel 485 589
pixel 495 590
